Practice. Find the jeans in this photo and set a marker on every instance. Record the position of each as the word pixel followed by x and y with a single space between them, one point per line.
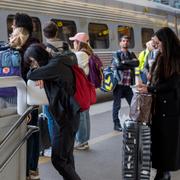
pixel 143 77
pixel 63 145
pixel 52 125
pixel 83 133
pixel 119 92
pixel 33 145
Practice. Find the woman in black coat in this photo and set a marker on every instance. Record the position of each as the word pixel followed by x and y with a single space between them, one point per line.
pixel 59 84
pixel 165 85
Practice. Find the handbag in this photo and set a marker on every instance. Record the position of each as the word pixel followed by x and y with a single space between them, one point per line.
pixel 35 94
pixel 140 108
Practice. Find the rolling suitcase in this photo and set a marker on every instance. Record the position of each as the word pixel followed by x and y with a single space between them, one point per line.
pixel 137 140
pixel 136 151
pixel 44 142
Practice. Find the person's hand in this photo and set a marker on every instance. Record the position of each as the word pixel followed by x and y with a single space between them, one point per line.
pixel 28 119
pixel 142 88
pixel 40 83
pixel 149 76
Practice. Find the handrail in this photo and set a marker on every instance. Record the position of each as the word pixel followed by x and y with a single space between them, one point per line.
pixel 16 125
pixel 19 83
pixel 31 129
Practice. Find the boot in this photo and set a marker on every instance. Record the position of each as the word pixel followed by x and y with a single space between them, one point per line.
pixel 117 127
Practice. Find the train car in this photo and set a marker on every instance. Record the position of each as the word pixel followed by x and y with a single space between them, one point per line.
pixel 105 21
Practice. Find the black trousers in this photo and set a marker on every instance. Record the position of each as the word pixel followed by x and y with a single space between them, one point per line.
pixel 63 145
pixel 33 145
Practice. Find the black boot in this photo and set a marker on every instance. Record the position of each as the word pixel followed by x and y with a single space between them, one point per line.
pixel 162 175
pixel 117 127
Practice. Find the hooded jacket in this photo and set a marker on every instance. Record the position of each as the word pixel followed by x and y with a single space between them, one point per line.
pixel 59 84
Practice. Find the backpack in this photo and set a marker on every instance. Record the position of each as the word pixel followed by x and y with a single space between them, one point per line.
pixel 85 94
pixel 109 82
pixel 10 65
pixel 95 75
pixel 64 48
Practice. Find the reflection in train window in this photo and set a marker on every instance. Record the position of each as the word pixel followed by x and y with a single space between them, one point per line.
pixel 98 35
pixel 37 33
pixel 66 29
pixel 146 34
pixel 128 31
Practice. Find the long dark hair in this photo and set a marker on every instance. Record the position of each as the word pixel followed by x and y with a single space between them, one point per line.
pixel 168 61
pixel 38 52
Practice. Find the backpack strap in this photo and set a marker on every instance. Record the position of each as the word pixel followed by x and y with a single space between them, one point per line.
pixel 52 47
pixel 65 47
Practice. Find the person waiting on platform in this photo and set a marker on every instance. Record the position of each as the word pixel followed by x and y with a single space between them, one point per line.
pixel 141 71
pixel 165 86
pixel 82 51
pixel 21 39
pixel 123 64
pixel 54 46
pixel 59 84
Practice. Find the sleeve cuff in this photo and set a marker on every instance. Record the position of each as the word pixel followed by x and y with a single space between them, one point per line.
pixel 152 89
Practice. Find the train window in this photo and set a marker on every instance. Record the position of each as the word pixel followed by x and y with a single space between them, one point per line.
pixel 66 29
pixel 146 34
pixel 98 35
pixel 128 31
pixel 37 33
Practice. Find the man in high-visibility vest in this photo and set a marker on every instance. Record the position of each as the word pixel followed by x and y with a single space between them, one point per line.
pixel 143 56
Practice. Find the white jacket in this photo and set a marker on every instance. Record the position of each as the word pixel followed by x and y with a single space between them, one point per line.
pixel 83 61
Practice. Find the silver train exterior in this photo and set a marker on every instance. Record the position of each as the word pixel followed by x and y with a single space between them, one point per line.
pixel 105 21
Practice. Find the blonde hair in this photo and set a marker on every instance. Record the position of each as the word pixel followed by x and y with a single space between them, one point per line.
pixel 19 37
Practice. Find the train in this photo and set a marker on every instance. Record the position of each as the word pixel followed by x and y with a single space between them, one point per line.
pixel 105 21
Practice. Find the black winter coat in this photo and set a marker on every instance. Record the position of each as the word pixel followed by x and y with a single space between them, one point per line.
pixel 166 125
pixel 59 83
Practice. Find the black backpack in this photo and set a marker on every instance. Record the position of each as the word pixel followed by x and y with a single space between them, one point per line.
pixel 65 47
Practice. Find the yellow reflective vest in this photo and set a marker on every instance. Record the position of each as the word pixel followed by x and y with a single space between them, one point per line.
pixel 142 58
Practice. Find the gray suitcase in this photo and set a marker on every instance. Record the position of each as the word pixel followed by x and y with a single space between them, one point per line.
pixel 136 151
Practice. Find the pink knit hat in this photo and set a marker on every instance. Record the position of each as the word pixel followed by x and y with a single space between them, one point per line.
pixel 81 36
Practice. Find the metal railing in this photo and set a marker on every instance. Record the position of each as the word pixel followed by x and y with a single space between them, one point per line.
pixel 31 129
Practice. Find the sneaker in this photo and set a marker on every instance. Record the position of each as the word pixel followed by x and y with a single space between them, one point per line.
pixel 82 146
pixel 34 175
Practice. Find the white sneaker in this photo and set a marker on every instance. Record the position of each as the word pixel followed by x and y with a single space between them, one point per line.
pixel 34 175
pixel 82 146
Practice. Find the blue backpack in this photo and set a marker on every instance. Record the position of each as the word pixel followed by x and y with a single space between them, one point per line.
pixel 109 81
pixel 10 65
